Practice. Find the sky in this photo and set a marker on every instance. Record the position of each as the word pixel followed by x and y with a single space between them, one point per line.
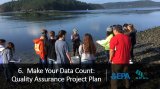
pixel 89 1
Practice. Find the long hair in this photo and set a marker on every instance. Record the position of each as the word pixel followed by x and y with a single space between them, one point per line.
pixel 11 47
pixel 131 26
pixel 89 46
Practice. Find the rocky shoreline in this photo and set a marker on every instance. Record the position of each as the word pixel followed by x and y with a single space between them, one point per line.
pixel 147 49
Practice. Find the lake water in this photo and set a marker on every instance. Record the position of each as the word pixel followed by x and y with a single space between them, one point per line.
pixel 22 32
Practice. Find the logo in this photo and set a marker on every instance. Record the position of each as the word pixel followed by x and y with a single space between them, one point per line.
pixel 140 75
pixel 120 76
pixel 37 46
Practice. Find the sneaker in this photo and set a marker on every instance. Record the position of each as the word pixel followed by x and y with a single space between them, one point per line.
pixel 130 62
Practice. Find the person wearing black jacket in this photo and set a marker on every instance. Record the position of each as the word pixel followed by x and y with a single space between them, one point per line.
pixel 51 53
pixel 76 41
pixel 132 35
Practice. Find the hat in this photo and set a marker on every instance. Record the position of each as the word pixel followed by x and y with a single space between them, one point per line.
pixel 109 29
pixel 75 30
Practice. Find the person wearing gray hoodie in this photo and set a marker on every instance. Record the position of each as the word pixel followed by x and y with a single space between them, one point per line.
pixel 7 56
pixel 7 53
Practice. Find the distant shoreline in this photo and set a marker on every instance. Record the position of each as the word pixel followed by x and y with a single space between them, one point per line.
pixel 57 14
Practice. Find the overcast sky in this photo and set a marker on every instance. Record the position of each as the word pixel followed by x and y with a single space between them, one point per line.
pixel 88 1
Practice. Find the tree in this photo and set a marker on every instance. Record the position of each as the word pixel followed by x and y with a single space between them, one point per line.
pixel 39 5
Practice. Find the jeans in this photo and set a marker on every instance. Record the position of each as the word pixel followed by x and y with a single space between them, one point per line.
pixel 43 61
pixel 7 71
pixel 43 65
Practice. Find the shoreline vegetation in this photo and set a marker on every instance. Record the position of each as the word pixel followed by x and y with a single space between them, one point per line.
pixel 60 15
pixel 147 49
pixel 36 10
pixel 40 15
pixel 69 5
pixel 45 5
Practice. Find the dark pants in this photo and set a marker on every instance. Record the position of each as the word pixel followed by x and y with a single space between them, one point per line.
pixel 7 71
pixel 75 48
pixel 131 53
pixel 63 85
pixel 43 64
pixel 107 55
pixel 44 61
pixel 119 69
pixel 85 85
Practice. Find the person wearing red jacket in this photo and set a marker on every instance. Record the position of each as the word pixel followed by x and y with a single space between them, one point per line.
pixel 40 48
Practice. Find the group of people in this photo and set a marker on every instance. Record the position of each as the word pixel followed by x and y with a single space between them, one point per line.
pixel 55 50
pixel 119 44
pixel 126 29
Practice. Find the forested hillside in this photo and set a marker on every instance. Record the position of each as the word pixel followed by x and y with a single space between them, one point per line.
pixel 131 4
pixel 41 5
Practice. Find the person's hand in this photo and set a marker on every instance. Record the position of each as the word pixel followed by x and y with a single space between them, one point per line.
pixel 110 61
pixel 71 62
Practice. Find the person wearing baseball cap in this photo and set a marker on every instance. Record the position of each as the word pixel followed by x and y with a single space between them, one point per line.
pixel 105 43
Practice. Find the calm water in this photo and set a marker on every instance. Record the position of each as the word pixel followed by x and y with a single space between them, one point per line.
pixel 22 32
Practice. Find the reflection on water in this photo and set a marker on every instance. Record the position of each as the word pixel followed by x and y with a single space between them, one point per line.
pixel 22 32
